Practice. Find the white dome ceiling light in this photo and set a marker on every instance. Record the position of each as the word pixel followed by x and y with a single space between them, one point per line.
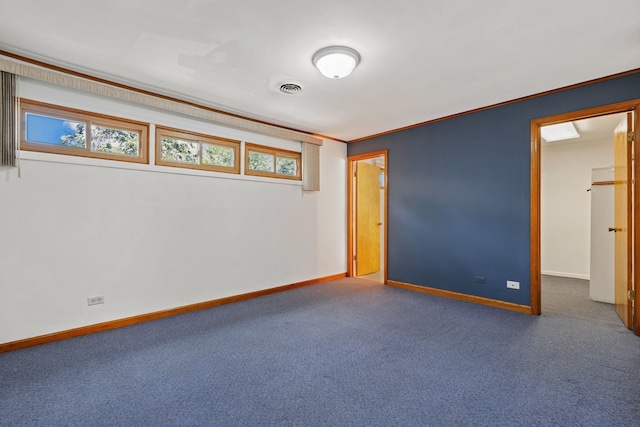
pixel 336 62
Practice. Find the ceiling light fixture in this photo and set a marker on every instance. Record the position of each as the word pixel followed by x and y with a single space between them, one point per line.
pixel 336 62
pixel 559 132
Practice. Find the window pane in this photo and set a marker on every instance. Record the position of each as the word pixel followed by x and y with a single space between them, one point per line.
pixel 261 161
pixel 49 130
pixel 179 150
pixel 114 141
pixel 286 166
pixel 218 155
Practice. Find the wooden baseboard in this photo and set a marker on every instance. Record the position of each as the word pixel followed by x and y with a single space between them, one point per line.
pixel 120 323
pixel 463 297
pixel 563 274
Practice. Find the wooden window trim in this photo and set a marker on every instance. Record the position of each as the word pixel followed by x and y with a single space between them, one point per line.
pixel 200 139
pixel 89 118
pixel 275 152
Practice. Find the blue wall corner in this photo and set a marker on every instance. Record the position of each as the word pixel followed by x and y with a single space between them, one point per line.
pixel 459 192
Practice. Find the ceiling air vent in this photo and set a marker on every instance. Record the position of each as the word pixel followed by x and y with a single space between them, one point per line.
pixel 290 88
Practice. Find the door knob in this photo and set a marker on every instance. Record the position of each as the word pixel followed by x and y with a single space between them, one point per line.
pixel 615 229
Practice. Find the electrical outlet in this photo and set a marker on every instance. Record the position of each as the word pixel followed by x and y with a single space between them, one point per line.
pixel 95 300
pixel 480 279
pixel 513 285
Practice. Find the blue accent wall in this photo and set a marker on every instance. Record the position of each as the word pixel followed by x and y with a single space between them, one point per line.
pixel 459 192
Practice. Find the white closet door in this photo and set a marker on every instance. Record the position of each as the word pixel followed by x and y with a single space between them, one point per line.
pixel 602 240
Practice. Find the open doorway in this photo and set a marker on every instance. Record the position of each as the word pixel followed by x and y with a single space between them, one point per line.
pixel 625 174
pixel 368 201
pixel 577 210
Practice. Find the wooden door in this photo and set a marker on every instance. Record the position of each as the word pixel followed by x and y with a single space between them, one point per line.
pixel 623 219
pixel 367 218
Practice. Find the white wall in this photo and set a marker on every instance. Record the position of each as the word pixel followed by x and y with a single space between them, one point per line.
pixel 148 238
pixel 566 204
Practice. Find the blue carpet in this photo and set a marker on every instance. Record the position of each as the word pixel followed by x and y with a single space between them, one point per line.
pixel 349 352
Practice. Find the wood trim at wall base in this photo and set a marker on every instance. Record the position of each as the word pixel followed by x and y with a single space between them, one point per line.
pixel 567 275
pixel 120 323
pixel 462 297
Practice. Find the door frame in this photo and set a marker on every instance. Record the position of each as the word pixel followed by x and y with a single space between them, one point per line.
pixel 351 217
pixel 536 268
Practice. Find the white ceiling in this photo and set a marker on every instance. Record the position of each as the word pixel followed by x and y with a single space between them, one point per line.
pixel 421 59
pixel 594 128
pixel 601 127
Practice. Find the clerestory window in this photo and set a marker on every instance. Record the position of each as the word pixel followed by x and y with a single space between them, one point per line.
pixel 272 162
pixel 62 130
pixel 185 149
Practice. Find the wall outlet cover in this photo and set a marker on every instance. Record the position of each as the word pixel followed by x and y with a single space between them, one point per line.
pixel 95 300
pixel 513 285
